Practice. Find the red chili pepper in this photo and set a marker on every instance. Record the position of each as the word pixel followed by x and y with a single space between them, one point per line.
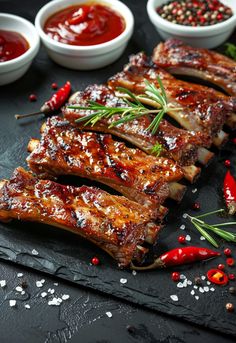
pixel 180 256
pixel 230 192
pixel 53 104
pixel 217 276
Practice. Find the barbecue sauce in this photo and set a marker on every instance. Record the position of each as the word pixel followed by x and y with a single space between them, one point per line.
pixel 12 45
pixel 85 24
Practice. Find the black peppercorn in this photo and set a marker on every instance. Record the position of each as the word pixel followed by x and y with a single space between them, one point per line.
pixel 232 290
pixel 130 329
pixel 198 281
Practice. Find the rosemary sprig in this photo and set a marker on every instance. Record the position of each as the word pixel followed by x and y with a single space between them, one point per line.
pixel 204 227
pixel 134 109
pixel 230 50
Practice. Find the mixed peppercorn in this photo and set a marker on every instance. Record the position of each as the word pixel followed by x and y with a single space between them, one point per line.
pixel 195 12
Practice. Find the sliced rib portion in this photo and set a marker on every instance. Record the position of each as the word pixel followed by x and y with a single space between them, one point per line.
pixel 66 150
pixel 203 109
pixel 179 58
pixel 114 223
pixel 179 144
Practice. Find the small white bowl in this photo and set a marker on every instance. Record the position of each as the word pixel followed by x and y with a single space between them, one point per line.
pixel 12 70
pixel 202 37
pixel 85 57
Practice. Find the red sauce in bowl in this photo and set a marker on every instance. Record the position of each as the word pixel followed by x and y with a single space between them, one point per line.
pixel 12 45
pixel 85 24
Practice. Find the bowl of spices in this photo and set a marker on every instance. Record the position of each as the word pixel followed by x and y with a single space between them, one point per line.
pixel 200 23
pixel 84 35
pixel 19 44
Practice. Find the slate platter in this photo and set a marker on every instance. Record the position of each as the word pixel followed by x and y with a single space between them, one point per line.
pixel 68 257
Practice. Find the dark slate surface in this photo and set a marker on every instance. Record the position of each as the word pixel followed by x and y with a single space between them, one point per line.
pixel 66 256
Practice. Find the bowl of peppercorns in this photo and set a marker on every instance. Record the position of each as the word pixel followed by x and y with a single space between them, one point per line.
pixel 200 23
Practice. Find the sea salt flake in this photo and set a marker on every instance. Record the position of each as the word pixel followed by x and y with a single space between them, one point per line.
pixel 203 277
pixel 195 287
pixel 206 289
pixel 65 297
pixel 51 290
pixel 12 303
pixel 182 227
pixel 43 294
pixel 134 272
pixel 23 293
pixel 185 215
pixel 196 297
pixel 202 238
pixel 55 284
pixel 192 292
pixel 27 306
pixel 109 314
pixel 19 274
pixel 212 289
pixel 188 238
pixel 55 302
pixel 189 282
pixel 19 289
pixel 208 282
pixel 185 283
pixel 179 285
pixel 201 290
pixel 123 281
pixel 174 297
pixel 182 276
pixel 39 283
pixel 34 252
pixel 194 190
pixel 3 283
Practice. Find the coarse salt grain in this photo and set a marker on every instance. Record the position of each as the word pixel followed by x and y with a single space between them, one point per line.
pixel 212 289
pixel 40 283
pixel 206 289
pixel 182 227
pixel 65 297
pixel 195 286
pixel 109 314
pixel 19 274
pixel 12 303
pixel 189 282
pixel 201 290
pixel 27 306
pixel 34 252
pixel 3 283
pixel 174 297
pixel 185 215
pixel 43 294
pixel 185 283
pixel 188 238
pixel 134 272
pixel 194 190
pixel 51 290
pixel 19 289
pixel 208 282
pixel 55 284
pixel 23 292
pixel 182 276
pixel 179 285
pixel 202 238
pixel 123 281
pixel 203 277
pixel 196 297
pixel 192 292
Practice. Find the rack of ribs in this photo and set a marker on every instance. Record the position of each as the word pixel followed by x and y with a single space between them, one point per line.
pixel 179 58
pixel 66 150
pixel 202 108
pixel 114 223
pixel 185 147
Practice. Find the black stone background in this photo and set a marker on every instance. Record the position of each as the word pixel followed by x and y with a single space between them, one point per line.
pixel 65 256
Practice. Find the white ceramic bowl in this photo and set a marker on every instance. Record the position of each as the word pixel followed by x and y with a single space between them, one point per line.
pixel 202 37
pixel 12 70
pixel 84 57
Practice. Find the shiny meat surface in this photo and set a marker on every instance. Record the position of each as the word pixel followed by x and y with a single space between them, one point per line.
pixel 66 150
pixel 203 109
pixel 180 145
pixel 114 223
pixel 179 58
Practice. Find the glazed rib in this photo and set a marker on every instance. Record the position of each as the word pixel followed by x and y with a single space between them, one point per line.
pixel 114 223
pixel 179 144
pixel 66 150
pixel 179 58
pixel 203 109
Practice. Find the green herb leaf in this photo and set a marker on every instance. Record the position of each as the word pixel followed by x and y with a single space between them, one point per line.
pixel 157 149
pixel 230 50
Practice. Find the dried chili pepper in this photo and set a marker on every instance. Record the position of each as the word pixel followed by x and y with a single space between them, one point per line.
pixel 230 192
pixel 217 276
pixel 53 104
pixel 179 256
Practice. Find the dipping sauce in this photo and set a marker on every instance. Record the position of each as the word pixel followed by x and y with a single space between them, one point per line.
pixel 195 12
pixel 12 45
pixel 85 24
